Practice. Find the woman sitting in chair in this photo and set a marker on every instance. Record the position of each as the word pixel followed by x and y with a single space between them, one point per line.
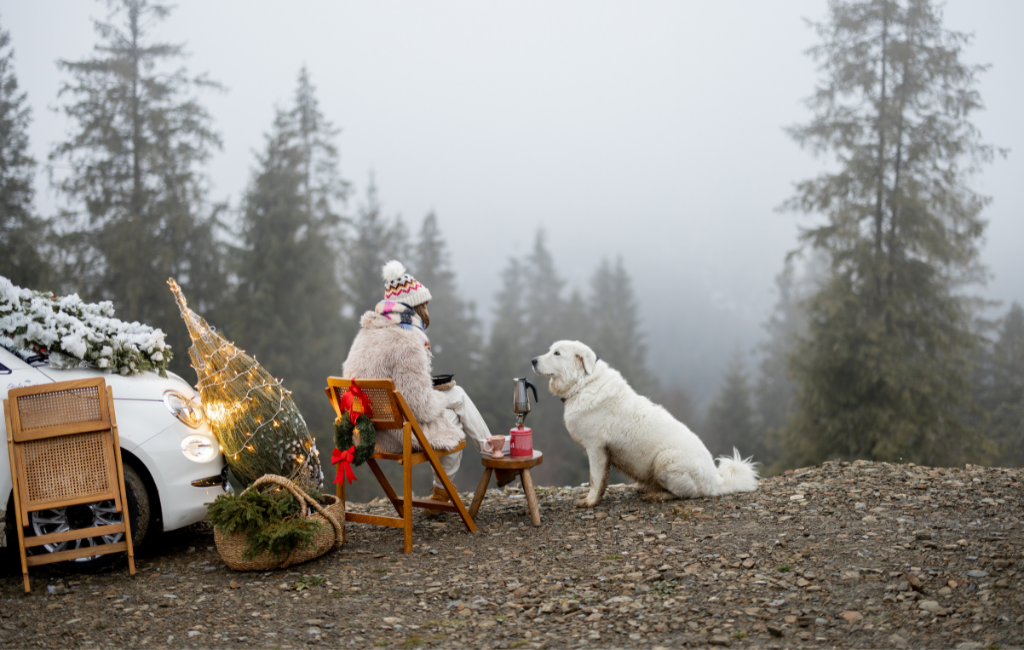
pixel 392 344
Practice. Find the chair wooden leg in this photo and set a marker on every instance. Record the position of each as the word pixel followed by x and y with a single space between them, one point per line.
pixel 435 464
pixel 481 490
pixel 407 485
pixel 453 493
pixel 21 549
pixel 122 488
pixel 17 499
pixel 531 496
pixel 339 484
pixel 339 491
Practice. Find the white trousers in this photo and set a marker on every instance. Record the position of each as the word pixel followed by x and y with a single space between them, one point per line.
pixel 462 413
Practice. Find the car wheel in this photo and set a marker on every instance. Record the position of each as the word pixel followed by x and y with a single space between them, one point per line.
pixel 91 515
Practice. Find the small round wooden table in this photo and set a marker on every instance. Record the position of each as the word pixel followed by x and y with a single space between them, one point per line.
pixel 520 464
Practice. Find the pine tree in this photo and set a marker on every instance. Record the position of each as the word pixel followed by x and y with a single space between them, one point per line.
pixel 506 355
pixel 543 305
pixel 374 241
pixel 323 186
pixel 259 428
pixel 775 390
pixel 882 371
pixel 454 329
pixel 22 234
pixel 615 324
pixel 287 307
pixel 1002 396
pixel 137 200
pixel 730 421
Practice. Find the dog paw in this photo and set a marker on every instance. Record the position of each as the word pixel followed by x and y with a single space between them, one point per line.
pixel 585 503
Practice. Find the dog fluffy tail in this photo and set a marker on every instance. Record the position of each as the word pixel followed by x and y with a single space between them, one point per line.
pixel 738 474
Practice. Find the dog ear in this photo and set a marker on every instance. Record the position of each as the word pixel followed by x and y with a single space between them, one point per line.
pixel 587 357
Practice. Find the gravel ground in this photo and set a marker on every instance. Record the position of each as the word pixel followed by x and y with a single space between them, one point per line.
pixel 840 555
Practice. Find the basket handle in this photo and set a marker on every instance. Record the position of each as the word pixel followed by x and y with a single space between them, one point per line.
pixel 303 499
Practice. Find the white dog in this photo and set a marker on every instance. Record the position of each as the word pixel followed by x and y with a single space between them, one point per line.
pixel 605 416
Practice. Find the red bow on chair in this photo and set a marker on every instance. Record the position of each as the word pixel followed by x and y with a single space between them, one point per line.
pixel 345 459
pixel 355 402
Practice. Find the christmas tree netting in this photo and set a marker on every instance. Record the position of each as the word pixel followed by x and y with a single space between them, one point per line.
pixel 259 428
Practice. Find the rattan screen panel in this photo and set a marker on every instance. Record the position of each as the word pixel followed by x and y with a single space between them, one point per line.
pixel 380 402
pixel 67 467
pixel 385 412
pixel 71 406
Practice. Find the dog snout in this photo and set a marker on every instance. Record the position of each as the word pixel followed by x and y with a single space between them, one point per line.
pixel 534 361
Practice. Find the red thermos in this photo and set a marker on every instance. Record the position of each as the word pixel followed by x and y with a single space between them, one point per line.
pixel 522 442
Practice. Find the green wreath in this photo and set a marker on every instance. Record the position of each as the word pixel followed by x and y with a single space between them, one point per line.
pixel 345 436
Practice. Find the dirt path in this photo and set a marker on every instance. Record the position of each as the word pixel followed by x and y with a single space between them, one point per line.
pixel 855 555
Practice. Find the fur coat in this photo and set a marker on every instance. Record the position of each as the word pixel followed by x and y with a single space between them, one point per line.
pixel 383 350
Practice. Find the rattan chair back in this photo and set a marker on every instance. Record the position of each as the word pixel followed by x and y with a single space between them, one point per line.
pixel 63 447
pixel 64 451
pixel 380 392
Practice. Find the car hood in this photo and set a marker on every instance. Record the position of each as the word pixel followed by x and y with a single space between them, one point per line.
pixel 146 385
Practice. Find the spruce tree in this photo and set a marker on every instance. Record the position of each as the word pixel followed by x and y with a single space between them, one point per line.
pixel 1002 397
pixel 505 356
pixel 882 371
pixel 374 241
pixel 137 210
pixel 775 390
pixel 543 305
pixel 22 234
pixel 322 184
pixel 730 421
pixel 259 428
pixel 287 307
pixel 614 322
pixel 454 329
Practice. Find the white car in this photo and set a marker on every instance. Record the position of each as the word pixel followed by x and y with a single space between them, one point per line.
pixel 172 461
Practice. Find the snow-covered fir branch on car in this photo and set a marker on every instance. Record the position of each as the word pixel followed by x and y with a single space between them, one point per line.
pixel 77 334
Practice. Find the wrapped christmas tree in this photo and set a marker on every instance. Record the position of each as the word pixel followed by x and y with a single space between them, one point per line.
pixel 258 425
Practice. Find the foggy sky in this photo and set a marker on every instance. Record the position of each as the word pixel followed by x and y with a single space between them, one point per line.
pixel 647 130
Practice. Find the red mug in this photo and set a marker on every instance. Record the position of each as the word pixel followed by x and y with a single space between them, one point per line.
pixel 522 443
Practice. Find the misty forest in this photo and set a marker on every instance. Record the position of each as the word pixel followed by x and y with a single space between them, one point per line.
pixel 880 345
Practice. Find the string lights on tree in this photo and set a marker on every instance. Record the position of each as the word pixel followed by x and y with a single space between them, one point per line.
pixel 259 428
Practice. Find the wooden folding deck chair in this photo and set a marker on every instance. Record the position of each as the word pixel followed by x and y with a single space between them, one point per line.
pixel 391 412
pixel 64 451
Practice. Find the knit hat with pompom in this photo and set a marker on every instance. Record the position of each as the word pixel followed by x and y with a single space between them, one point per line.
pixel 399 286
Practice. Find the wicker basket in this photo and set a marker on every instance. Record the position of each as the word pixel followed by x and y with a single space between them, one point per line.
pixel 232 547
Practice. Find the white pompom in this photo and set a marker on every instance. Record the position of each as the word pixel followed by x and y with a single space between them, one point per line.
pixel 393 270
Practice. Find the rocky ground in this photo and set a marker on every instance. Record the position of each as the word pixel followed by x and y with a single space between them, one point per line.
pixel 841 555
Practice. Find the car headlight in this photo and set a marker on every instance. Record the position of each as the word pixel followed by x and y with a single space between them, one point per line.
pixel 199 448
pixel 190 412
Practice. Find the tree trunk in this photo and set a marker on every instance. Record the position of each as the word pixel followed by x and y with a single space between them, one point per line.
pixel 880 170
pixel 136 120
pixel 896 201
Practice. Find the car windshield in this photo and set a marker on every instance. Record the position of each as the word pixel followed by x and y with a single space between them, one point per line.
pixel 28 357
